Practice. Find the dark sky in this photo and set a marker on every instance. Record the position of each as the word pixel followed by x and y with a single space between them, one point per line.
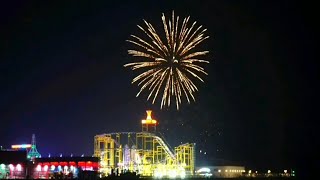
pixel 62 77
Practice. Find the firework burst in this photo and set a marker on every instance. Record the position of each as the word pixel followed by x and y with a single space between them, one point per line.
pixel 169 64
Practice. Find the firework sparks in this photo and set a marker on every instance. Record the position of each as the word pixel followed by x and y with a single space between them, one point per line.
pixel 169 63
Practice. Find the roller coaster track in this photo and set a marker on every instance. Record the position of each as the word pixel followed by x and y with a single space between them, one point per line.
pixel 160 139
pixel 165 147
pixel 164 139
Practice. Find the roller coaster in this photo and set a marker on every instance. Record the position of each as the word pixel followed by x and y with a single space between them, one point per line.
pixel 147 153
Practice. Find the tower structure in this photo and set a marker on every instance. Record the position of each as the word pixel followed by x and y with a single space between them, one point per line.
pixel 33 152
pixel 149 124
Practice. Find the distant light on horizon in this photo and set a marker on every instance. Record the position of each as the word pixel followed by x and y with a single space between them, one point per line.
pixel 21 146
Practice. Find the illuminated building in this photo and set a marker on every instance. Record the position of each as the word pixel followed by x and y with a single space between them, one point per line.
pixel 13 164
pixel 145 152
pixel 221 171
pixel 64 167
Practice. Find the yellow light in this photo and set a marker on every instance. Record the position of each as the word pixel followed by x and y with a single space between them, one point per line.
pixel 149 119
pixel 149 115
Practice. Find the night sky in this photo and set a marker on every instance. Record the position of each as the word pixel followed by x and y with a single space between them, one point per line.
pixel 62 77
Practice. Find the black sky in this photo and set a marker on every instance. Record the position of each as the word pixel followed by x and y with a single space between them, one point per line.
pixel 62 77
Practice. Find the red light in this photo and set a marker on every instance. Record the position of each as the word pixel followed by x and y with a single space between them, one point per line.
pixel 63 163
pixel 54 163
pixel 95 165
pixel 81 163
